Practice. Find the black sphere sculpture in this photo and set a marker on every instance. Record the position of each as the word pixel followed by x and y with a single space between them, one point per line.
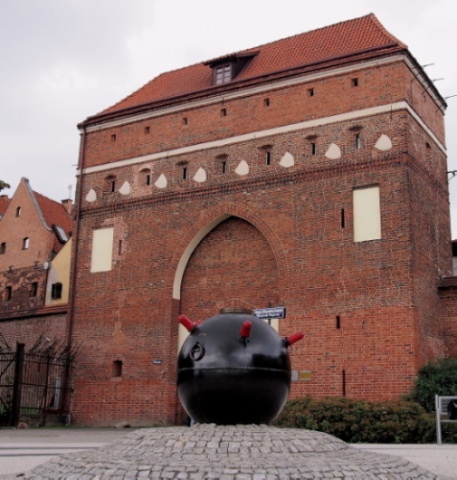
pixel 233 368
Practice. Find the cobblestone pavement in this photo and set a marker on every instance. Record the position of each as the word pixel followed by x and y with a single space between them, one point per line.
pixel 242 452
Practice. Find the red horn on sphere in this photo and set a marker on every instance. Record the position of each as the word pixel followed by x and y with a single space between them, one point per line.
pixel 291 339
pixel 187 323
pixel 245 330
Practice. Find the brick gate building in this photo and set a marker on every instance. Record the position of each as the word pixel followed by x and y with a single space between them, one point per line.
pixel 308 173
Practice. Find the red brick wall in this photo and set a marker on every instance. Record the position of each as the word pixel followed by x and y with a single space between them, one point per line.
pixel 28 329
pixel 380 85
pixel 19 267
pixel 21 281
pixel 284 243
pixel 448 301
pixel 14 228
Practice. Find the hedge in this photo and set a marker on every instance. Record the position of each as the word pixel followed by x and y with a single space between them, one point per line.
pixel 358 421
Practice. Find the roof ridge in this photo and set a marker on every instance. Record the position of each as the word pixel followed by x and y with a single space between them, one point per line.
pixel 35 202
pixel 367 31
pixel 325 27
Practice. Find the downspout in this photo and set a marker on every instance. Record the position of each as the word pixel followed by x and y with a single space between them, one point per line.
pixel 66 400
pixel 79 190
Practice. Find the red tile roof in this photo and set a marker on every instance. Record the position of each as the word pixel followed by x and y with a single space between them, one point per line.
pixel 4 202
pixel 54 213
pixel 333 45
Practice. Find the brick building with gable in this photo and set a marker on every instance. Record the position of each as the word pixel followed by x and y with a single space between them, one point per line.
pixel 35 259
pixel 309 173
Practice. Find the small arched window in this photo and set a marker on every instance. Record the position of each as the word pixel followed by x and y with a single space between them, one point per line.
pixel 222 163
pixel 265 153
pixel 145 176
pixel 18 211
pixel 110 184
pixel 2 248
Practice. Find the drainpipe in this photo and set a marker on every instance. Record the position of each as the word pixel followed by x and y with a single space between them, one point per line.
pixel 78 205
pixel 66 397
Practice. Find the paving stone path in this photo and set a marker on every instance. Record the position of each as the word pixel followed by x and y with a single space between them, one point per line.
pixel 242 452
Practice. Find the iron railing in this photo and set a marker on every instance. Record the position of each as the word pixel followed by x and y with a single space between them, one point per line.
pixel 34 383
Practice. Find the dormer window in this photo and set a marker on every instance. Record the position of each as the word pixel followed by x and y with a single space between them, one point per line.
pixel 225 69
pixel 223 74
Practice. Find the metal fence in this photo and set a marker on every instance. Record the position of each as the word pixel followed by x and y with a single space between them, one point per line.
pixel 34 384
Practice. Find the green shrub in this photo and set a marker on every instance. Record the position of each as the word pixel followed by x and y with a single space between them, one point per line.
pixel 356 421
pixel 436 378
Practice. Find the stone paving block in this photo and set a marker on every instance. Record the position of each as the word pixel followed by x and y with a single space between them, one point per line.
pixel 249 452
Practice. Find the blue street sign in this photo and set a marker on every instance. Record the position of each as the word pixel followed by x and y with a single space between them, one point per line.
pixel 270 313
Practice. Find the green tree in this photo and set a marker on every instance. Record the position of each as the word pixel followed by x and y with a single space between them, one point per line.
pixel 4 185
pixel 436 378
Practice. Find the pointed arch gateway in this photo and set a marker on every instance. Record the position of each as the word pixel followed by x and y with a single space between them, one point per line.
pixel 228 263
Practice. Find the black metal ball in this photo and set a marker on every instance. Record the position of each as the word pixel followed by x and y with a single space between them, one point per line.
pixel 227 378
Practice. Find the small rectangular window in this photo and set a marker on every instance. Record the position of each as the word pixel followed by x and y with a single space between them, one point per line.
pixel 357 141
pixel 268 158
pixel 311 92
pixel 223 74
pixel 117 368
pixel 2 248
pixel 56 291
pixel 147 130
pixel 25 243
pixel 266 102
pixel 355 82
pixel 224 166
pixel 33 289
pixel 185 121
pixel 313 148
pixel 113 137
pixel 367 214
pixel 184 173
pixel 223 112
pixel 8 293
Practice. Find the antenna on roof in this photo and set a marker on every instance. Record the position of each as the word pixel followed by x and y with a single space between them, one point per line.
pixel 418 70
pixel 70 188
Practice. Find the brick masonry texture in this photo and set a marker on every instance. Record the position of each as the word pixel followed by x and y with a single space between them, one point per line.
pixel 371 311
pixel 23 316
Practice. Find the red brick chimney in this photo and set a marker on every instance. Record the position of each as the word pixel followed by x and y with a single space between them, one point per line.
pixel 68 204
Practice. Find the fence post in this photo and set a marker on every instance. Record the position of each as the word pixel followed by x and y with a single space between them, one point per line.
pixel 17 384
pixel 45 402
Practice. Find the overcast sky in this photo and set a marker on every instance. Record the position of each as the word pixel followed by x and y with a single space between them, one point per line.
pixel 64 60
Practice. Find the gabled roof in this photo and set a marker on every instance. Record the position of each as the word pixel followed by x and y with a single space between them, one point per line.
pixel 54 213
pixel 333 45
